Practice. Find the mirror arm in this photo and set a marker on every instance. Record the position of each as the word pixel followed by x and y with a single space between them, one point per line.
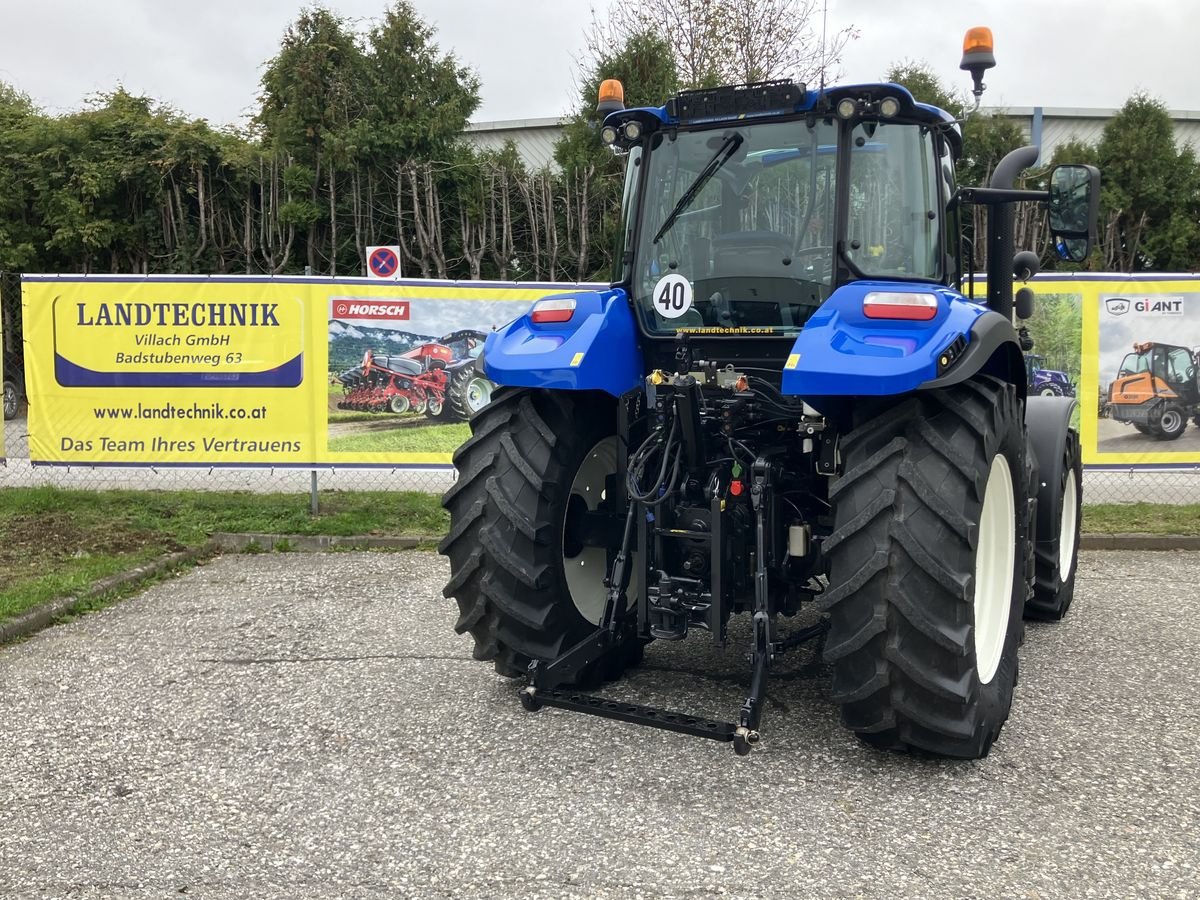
pixel 994 196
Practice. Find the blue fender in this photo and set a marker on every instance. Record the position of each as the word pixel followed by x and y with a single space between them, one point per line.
pixel 841 352
pixel 596 349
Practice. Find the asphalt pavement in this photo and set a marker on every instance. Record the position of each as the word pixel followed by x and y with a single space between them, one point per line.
pixel 1117 437
pixel 310 725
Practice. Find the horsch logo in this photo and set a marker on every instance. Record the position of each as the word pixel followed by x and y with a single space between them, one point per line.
pixel 1159 305
pixel 352 308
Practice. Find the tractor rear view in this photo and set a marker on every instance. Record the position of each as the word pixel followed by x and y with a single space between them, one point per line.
pixel 1157 389
pixel 784 400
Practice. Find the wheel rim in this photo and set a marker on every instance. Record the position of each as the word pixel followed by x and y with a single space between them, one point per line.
pixel 1066 527
pixel 399 403
pixel 586 567
pixel 435 406
pixel 994 558
pixel 1171 420
pixel 479 394
pixel 1048 392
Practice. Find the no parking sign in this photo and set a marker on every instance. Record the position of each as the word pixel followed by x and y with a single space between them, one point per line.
pixel 383 263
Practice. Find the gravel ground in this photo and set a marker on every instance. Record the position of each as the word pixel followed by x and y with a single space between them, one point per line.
pixel 310 725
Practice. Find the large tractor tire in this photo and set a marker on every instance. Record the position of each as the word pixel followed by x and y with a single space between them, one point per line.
pixel 1057 546
pixel 929 567
pixel 527 588
pixel 468 392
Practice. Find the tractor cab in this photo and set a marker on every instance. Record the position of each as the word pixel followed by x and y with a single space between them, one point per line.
pixel 763 199
pixel 1159 369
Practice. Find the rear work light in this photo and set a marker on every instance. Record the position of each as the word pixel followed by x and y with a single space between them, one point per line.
pixel 545 311
pixel 900 305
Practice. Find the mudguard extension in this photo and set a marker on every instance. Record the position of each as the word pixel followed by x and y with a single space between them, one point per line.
pixel 1047 420
pixel 597 349
pixel 843 353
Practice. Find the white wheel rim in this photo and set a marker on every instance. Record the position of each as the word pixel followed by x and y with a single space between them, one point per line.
pixel 1047 392
pixel 399 403
pixel 1066 527
pixel 586 571
pixel 479 394
pixel 994 559
pixel 1170 420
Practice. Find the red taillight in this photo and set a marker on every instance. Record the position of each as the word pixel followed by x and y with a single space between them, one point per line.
pixel 546 311
pixel 900 305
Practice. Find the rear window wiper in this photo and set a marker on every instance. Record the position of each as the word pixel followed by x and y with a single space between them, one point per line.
pixel 727 149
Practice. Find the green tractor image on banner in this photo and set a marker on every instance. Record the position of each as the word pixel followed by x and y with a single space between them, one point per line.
pixel 784 399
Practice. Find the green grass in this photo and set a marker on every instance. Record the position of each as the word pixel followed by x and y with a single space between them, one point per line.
pixel 55 542
pixel 1142 518
pixel 421 439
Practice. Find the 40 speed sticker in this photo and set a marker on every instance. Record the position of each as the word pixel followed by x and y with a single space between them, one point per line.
pixel 672 296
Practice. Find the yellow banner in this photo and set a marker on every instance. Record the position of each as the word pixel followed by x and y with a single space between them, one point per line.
pixel 257 372
pixel 320 372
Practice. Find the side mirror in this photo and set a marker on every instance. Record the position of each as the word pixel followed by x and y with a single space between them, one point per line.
pixel 1074 210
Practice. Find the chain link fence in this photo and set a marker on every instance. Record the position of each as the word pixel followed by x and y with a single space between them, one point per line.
pixel 1174 485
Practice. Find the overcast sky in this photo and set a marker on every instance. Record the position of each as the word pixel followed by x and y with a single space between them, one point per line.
pixel 205 57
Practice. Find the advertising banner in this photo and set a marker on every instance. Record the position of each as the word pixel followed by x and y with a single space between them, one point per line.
pixel 1128 348
pixel 3 418
pixel 311 372
pixel 1141 346
pixel 225 371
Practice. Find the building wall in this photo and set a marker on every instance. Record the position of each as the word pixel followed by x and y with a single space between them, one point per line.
pixel 535 138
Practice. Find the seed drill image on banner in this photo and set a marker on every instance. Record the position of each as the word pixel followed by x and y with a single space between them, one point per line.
pixel 403 370
pixel 287 372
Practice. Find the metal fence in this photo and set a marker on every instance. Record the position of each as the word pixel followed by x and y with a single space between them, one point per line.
pixel 1175 485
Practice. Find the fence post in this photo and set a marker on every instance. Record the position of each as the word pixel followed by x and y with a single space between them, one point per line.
pixel 314 507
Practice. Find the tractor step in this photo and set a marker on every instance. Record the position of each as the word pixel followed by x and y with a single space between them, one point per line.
pixel 533 699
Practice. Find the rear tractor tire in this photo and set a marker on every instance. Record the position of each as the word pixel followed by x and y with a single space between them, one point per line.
pixel 526 585
pixel 929 569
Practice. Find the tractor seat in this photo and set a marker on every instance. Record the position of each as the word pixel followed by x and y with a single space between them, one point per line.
pixel 750 252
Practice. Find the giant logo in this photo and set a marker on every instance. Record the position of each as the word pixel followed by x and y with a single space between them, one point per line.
pixel 1153 305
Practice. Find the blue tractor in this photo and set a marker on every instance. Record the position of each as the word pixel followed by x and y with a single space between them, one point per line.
pixel 784 401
